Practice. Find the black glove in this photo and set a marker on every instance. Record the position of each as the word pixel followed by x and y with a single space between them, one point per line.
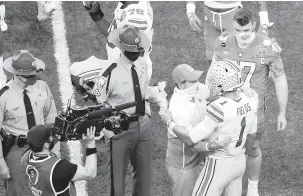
pixel 94 11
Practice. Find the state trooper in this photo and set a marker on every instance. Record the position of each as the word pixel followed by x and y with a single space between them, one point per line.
pixel 125 81
pixel 24 102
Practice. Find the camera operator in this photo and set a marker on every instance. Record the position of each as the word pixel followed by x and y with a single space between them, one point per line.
pixel 49 175
pixel 124 81
pixel 24 102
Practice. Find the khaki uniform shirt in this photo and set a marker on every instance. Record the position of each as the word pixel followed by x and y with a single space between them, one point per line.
pixel 120 89
pixel 12 109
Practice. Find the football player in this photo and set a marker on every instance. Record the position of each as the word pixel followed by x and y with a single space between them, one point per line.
pixel 135 13
pixel 218 17
pixel 259 56
pixel 232 115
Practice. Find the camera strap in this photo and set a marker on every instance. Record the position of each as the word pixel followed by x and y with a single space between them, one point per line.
pixel 107 74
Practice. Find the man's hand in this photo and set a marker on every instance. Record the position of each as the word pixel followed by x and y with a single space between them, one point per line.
pixel 199 147
pixel 4 170
pixel 249 92
pixel 281 122
pixel 194 22
pixel 166 116
pixel 94 10
pixel 89 139
pixel 219 144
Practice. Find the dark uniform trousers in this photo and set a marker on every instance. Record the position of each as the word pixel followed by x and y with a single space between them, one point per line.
pixel 135 146
pixel 16 185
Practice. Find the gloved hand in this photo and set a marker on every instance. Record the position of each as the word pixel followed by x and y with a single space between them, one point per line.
pixel 94 10
pixel 158 96
pixel 194 22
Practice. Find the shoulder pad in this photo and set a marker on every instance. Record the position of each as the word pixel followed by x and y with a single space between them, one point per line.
pixel 89 65
pixel 272 44
pixel 215 110
pixel 5 88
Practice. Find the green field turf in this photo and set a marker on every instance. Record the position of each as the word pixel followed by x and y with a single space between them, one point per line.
pixel 175 43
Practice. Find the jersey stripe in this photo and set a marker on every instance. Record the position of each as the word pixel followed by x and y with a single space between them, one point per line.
pixel 207 178
pixel 137 21
pixel 215 112
pixel 142 28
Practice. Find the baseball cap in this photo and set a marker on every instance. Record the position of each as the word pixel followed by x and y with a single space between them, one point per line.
pixel 38 135
pixel 185 72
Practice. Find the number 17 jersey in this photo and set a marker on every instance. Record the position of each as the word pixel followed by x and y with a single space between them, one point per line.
pixel 257 60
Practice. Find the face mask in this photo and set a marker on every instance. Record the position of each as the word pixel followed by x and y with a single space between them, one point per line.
pixel 191 91
pixel 132 56
pixel 245 38
pixel 28 80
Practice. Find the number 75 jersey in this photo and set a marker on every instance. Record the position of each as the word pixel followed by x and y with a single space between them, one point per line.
pixel 260 58
pixel 235 119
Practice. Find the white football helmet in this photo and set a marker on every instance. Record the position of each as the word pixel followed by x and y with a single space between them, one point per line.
pixel 224 76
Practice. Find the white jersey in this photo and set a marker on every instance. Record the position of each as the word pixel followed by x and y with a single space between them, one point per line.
pixel 222 4
pixel 235 119
pixel 139 15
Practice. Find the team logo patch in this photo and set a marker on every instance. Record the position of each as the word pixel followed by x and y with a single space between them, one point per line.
pixel 32 174
pixel 97 92
pixel 262 49
pixel 226 53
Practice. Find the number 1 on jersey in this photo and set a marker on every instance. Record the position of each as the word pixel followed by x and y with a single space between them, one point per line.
pixel 243 125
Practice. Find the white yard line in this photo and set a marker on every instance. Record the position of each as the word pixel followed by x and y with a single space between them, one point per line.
pixel 65 85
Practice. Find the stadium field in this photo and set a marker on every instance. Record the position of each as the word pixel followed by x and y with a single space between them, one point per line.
pixel 174 43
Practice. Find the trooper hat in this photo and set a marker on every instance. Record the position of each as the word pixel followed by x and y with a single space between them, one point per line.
pixel 185 72
pixel 23 63
pixel 129 38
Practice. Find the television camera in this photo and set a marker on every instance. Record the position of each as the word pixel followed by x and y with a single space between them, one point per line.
pixel 71 124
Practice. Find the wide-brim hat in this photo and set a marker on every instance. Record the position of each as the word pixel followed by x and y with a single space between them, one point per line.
pixel 129 38
pixel 23 63
pixel 184 72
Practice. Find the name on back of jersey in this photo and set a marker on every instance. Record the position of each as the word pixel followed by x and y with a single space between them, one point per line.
pixel 243 109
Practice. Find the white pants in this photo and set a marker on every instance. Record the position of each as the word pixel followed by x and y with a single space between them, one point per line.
pixel 221 175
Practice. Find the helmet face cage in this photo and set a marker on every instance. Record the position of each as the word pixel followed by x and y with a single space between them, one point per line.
pixel 224 76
